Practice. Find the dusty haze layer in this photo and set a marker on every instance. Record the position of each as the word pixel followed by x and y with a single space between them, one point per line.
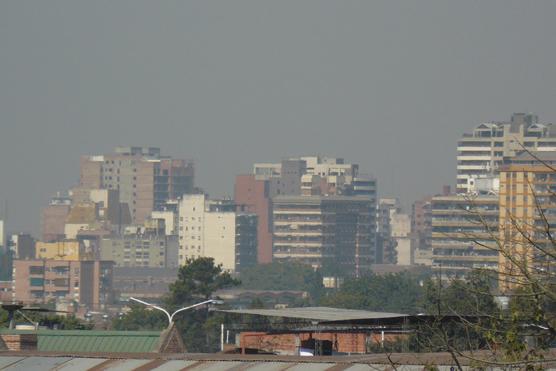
pixel 388 84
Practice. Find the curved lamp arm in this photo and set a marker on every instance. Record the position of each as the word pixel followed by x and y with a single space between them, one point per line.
pixel 153 306
pixel 190 307
pixel 171 317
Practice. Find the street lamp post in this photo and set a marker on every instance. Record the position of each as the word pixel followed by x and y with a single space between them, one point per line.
pixel 171 316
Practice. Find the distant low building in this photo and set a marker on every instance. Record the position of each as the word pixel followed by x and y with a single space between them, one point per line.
pixel 86 283
pixel 141 250
pixel 143 282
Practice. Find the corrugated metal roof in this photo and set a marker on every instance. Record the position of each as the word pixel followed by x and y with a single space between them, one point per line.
pixel 37 363
pixel 79 364
pixel 98 341
pixel 81 341
pixel 319 313
pixel 29 361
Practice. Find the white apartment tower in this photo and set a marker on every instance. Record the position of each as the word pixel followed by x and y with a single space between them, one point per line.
pixel 481 152
pixel 215 229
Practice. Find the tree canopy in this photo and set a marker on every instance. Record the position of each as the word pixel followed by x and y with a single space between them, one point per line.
pixel 286 275
pixel 400 292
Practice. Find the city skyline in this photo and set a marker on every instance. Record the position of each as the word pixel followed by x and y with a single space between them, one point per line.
pixel 231 84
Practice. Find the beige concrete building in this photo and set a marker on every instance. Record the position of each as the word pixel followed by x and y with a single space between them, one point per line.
pixel 321 175
pixel 401 233
pixel 215 229
pixel 335 233
pixel 141 250
pixel 144 179
pixel 481 152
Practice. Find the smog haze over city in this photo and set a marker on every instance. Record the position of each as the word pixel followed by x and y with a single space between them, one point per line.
pixel 390 85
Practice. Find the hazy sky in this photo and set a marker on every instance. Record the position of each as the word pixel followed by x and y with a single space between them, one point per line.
pixel 388 84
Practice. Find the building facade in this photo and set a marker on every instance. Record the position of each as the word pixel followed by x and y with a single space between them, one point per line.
pixel 481 153
pixel 255 196
pixel 54 218
pixel 141 250
pixel 144 179
pixel 527 217
pixel 22 246
pixel 87 283
pixel 334 233
pixel 464 232
pixel 209 228
pixel 63 250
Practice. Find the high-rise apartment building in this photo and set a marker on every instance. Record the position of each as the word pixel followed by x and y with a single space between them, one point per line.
pixel 386 252
pixel 334 233
pixel 307 176
pixel 421 228
pixel 464 232
pixel 527 217
pixel 481 152
pixel 334 173
pixel 144 179
pixel 216 229
pixel 255 196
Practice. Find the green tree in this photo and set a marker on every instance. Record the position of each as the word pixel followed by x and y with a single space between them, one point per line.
pixel 398 292
pixel 464 315
pixel 288 275
pixel 141 318
pixel 197 280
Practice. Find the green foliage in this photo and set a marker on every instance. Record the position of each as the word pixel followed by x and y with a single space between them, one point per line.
pixel 283 276
pixel 466 315
pixel 64 323
pixel 3 318
pixel 198 279
pixel 398 292
pixel 471 297
pixel 141 318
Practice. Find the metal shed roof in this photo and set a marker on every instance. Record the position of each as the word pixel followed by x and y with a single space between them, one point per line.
pixel 324 314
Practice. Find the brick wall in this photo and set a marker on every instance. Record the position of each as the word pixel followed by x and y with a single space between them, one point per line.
pixel 19 342
pixel 287 344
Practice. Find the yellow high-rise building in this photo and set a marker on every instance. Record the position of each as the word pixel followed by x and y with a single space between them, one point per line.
pixel 527 218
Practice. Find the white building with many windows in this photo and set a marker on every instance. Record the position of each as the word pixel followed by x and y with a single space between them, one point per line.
pixel 215 229
pixel 481 153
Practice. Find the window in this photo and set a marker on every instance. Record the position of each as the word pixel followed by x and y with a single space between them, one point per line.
pixel 34 281
pixel 36 270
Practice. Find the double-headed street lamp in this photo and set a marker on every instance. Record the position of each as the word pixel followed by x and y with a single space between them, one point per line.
pixel 171 316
